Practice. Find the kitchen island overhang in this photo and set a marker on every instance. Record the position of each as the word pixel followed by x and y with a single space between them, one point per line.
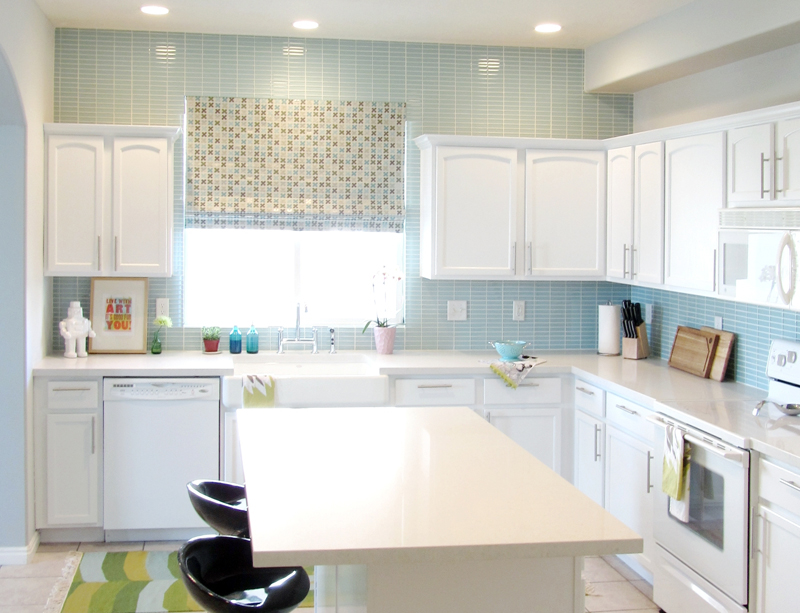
pixel 446 512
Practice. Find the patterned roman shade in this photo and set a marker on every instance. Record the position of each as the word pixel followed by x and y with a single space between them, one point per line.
pixel 294 164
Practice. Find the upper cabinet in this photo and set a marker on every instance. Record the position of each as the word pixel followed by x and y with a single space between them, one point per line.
pixel 509 213
pixel 620 212
pixel 763 164
pixel 109 200
pixel 565 213
pixel 694 191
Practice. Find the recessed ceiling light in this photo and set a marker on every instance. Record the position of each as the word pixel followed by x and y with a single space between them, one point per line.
pixel 305 24
pixel 155 10
pixel 547 28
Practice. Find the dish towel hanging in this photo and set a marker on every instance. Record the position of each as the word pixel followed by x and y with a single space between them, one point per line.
pixel 675 476
pixel 513 373
pixel 258 391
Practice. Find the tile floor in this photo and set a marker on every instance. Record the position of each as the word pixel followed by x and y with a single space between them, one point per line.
pixel 26 589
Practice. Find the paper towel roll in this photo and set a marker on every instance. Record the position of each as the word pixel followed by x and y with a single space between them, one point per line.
pixel 608 329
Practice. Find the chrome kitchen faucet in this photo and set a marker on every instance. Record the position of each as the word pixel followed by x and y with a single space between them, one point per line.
pixel 297 340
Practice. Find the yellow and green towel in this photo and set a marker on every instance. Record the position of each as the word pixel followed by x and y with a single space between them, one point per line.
pixel 258 391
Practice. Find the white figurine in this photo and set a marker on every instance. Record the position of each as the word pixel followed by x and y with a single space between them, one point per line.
pixel 75 328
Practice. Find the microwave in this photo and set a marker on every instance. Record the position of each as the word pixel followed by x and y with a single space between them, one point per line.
pixel 759 265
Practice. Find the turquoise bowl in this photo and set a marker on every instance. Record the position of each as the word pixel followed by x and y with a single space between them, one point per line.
pixel 509 350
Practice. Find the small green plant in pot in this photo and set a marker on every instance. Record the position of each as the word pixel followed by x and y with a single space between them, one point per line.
pixel 210 339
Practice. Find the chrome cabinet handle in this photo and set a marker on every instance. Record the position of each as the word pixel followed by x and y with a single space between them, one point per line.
pixel 72 389
pixel 775 174
pixel 99 254
pixel 530 258
pixel 528 385
pixel 624 261
pixel 585 391
pixel 649 460
pixel 430 387
pixel 596 443
pixel 93 433
pixel 763 159
pixel 626 409
pixel 633 262
pixel 488 416
pixel 791 484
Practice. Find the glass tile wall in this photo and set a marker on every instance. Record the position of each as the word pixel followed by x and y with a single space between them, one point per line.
pixel 123 77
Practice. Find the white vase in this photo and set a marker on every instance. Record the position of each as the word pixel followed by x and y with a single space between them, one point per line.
pixel 384 340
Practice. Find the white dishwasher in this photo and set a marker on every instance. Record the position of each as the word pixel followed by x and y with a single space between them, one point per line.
pixel 158 435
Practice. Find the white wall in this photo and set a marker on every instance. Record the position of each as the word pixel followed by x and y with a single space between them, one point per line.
pixel 26 47
pixel 765 80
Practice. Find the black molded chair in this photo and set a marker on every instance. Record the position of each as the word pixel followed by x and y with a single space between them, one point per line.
pixel 218 573
pixel 222 505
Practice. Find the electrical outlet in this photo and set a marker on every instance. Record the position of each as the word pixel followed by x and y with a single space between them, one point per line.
pixel 518 312
pixel 162 307
pixel 648 313
pixel 718 322
pixel 456 310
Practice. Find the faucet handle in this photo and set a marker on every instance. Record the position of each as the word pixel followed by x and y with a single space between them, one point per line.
pixel 314 348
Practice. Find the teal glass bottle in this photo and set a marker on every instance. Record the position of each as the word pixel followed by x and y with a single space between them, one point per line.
pixel 252 340
pixel 235 340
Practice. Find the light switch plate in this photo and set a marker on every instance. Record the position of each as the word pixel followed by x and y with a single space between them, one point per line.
pixel 718 322
pixel 648 313
pixel 162 307
pixel 456 310
pixel 518 312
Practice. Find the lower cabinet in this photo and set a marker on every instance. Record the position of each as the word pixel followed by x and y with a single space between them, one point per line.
pixel 629 486
pixel 538 431
pixel 589 456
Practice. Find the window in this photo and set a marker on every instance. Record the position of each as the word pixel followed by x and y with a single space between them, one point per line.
pixel 241 277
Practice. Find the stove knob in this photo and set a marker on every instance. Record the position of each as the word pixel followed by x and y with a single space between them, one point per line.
pixel 781 360
pixel 792 357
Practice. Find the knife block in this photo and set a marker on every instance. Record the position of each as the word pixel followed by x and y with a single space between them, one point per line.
pixel 636 348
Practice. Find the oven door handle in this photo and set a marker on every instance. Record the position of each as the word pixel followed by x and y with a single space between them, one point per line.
pixel 729 454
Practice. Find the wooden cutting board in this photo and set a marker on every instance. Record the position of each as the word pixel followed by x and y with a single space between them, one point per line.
pixel 722 354
pixel 693 351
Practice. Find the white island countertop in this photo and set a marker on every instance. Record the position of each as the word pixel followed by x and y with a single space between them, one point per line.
pixel 373 485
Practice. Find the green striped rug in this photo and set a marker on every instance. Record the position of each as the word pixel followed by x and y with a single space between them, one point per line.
pixel 134 582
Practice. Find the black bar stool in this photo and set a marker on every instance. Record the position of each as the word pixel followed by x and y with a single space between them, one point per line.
pixel 219 574
pixel 222 505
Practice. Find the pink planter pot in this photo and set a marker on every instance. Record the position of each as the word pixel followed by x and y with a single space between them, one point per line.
pixel 384 340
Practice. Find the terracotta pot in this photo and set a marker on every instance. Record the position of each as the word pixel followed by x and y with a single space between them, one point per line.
pixel 211 346
pixel 384 340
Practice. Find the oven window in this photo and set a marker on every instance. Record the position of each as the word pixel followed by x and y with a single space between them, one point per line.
pixel 707 504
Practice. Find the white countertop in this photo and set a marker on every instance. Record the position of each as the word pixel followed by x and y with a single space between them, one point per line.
pixel 167 364
pixel 354 486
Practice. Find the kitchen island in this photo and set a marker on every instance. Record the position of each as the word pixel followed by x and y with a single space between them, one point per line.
pixel 447 513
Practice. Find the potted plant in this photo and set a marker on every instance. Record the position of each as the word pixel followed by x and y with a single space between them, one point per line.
pixel 382 282
pixel 210 339
pixel 161 321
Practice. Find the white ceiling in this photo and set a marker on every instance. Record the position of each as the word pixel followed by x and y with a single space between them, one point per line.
pixel 487 22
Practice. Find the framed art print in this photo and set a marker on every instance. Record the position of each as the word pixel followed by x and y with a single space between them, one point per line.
pixel 119 315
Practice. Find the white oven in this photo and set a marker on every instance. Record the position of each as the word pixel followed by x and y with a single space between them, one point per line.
pixel 702 563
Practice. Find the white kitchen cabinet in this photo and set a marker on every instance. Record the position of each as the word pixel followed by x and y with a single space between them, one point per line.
pixel 787 160
pixel 589 456
pixel 636 212
pixel 469 213
pixel 694 192
pixel 565 213
pixel 628 487
pixel 68 434
pixel 619 202
pixel 109 200
pixel 538 431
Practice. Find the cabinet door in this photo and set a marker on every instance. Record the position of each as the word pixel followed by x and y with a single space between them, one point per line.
pixel 72 458
pixel 750 163
pixel 232 469
pixel 620 212
pixel 776 543
pixel 538 431
pixel 74 205
pixel 142 208
pixel 589 455
pixel 787 165
pixel 647 258
pixel 628 487
pixel 694 192
pixel 476 207
pixel 565 213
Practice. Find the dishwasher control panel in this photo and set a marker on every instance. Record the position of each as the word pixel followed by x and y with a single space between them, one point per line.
pixel 151 389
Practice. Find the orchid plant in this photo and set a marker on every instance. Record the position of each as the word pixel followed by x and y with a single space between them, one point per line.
pixel 381 282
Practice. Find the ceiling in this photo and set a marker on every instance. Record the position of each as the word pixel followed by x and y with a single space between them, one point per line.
pixel 485 22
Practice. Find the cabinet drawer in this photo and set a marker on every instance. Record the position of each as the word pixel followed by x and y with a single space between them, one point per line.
pixel 589 398
pixel 533 390
pixel 629 416
pixel 434 392
pixel 779 485
pixel 73 395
